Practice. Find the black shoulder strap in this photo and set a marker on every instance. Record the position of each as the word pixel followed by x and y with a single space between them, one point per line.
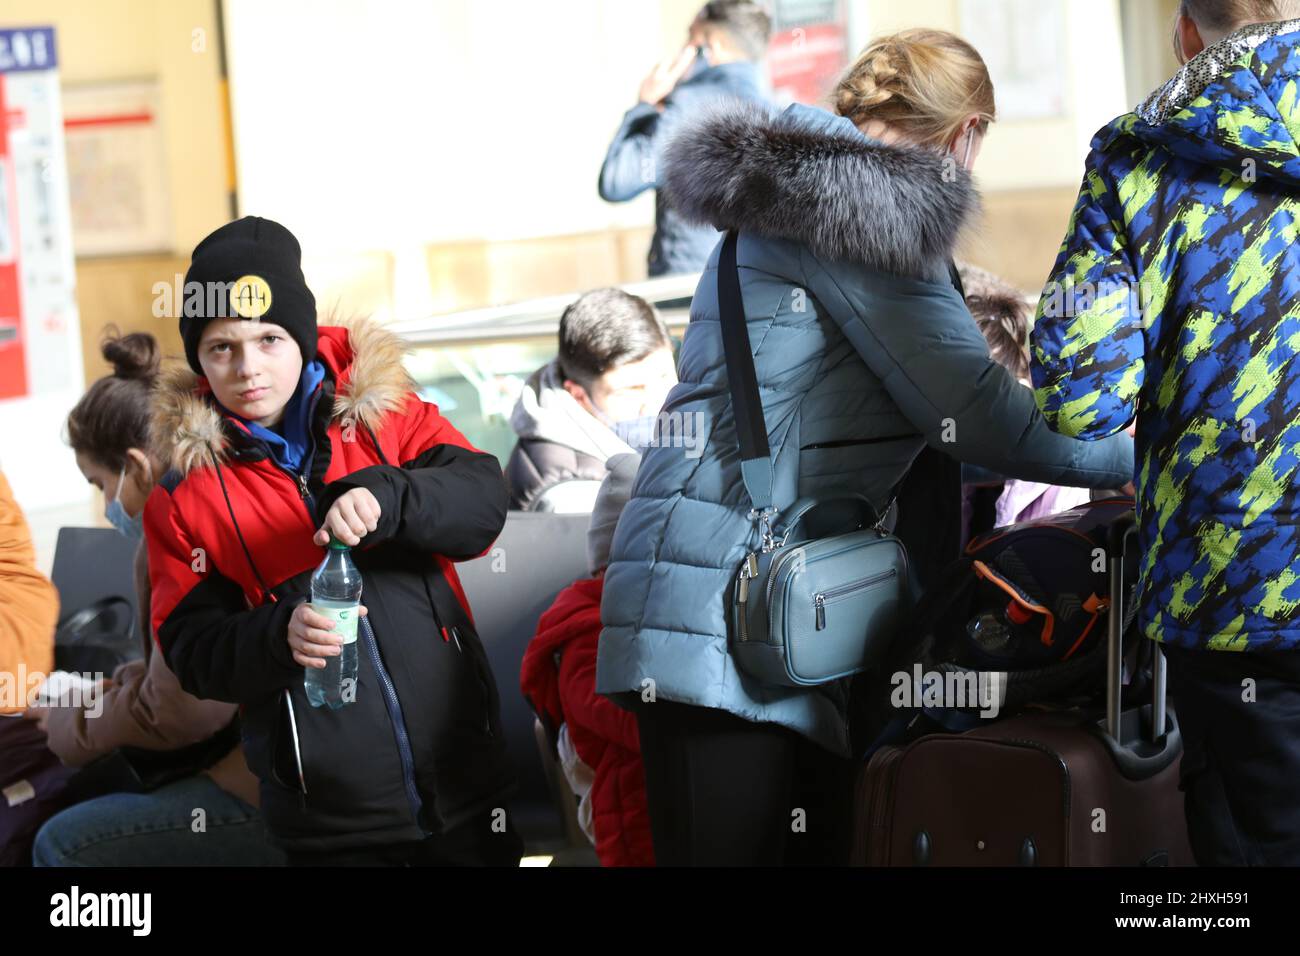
pixel 746 405
pixel 954 275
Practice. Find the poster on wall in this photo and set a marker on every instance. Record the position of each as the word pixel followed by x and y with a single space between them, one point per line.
pixel 116 169
pixel 1023 43
pixel 40 344
pixel 809 50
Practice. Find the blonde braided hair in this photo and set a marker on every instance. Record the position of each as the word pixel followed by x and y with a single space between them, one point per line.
pixel 923 82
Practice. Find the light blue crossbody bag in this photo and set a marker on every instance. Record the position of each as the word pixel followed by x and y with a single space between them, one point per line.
pixel 803 611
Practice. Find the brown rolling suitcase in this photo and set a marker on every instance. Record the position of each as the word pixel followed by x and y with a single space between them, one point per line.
pixel 1044 788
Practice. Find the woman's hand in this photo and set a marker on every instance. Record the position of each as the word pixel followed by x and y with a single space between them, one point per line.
pixel 312 637
pixel 353 516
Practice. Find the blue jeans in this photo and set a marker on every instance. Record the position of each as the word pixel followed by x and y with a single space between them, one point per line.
pixel 158 829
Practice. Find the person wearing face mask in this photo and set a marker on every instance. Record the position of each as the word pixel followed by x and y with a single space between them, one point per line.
pixel 865 354
pixel 722 59
pixel 144 705
pixel 600 397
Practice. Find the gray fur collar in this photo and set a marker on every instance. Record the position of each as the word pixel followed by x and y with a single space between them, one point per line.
pixel 810 176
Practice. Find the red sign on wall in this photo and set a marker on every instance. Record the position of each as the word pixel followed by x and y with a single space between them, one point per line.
pixel 13 360
pixel 809 50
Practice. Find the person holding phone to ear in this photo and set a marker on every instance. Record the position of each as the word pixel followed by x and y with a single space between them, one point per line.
pixel 722 59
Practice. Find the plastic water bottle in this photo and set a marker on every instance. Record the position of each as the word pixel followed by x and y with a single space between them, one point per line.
pixel 994 631
pixel 336 594
pixel 989 632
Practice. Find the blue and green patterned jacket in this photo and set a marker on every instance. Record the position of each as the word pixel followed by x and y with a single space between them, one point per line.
pixel 1176 301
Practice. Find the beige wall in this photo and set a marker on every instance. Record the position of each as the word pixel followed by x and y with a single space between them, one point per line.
pixel 105 40
pixel 1148 44
pixel 461 139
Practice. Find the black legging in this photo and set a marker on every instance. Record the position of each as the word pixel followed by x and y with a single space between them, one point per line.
pixel 724 791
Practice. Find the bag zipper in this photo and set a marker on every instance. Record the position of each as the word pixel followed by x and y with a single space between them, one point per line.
pixel 748 572
pixel 399 724
pixel 822 597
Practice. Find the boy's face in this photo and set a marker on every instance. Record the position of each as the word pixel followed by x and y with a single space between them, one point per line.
pixel 636 389
pixel 253 367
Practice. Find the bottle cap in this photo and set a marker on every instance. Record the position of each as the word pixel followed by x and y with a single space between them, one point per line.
pixel 337 545
pixel 1017 614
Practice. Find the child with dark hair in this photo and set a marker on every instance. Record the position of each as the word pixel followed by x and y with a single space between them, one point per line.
pixel 598 398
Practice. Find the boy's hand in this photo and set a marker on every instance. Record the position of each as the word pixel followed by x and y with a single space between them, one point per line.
pixel 354 515
pixel 312 637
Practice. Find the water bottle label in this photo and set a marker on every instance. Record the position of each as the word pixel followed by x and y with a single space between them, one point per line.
pixel 344 618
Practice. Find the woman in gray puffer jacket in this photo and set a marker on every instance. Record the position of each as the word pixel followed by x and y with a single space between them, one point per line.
pixel 865 354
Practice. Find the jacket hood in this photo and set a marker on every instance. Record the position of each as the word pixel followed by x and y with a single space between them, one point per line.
pixel 810 176
pixel 575 616
pixel 546 412
pixel 1234 106
pixel 362 357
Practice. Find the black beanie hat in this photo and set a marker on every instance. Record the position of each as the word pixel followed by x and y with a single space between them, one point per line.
pixel 256 267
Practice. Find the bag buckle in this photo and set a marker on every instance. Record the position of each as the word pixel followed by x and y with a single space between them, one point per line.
pixel 884 515
pixel 766 535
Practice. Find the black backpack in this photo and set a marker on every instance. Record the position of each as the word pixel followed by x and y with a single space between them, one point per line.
pixel 1029 601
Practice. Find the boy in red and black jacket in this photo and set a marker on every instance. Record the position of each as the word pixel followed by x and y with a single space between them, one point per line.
pixel 280 434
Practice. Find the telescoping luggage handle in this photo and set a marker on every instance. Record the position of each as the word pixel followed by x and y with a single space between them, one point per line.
pixel 1119 535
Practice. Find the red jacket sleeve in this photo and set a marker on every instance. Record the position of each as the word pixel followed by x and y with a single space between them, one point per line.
pixel 217 647
pixel 583 707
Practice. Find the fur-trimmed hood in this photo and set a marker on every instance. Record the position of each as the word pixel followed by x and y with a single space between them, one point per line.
pixel 363 358
pixel 810 176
